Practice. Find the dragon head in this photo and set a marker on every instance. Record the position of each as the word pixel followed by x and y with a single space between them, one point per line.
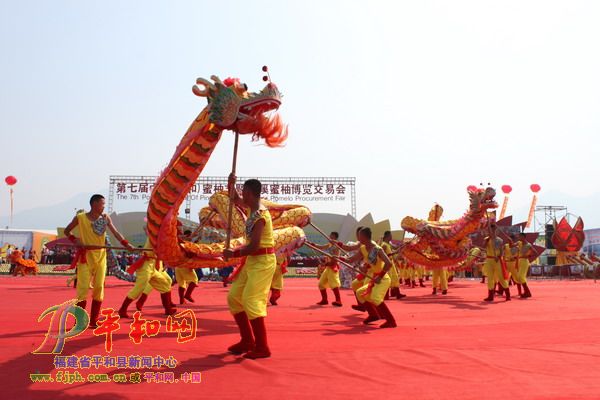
pixel 482 199
pixel 232 106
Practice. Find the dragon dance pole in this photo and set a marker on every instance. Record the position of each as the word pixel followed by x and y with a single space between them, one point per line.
pixel 342 262
pixel 316 228
pixel 535 188
pixel 103 247
pixel 231 196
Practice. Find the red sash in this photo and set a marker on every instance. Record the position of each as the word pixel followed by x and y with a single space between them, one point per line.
pixel 139 262
pixel 79 257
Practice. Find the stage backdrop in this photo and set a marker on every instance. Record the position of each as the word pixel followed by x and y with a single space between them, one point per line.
pixel 128 193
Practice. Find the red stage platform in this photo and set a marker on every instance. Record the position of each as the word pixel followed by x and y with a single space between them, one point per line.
pixel 445 347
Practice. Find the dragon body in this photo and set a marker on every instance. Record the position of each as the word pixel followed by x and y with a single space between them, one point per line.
pixel 439 244
pixel 232 107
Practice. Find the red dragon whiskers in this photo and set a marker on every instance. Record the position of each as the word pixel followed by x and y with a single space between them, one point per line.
pixel 272 129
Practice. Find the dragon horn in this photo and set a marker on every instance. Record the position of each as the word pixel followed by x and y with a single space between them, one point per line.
pixel 207 87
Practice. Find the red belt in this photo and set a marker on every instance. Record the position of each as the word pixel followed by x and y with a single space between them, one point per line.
pixel 264 251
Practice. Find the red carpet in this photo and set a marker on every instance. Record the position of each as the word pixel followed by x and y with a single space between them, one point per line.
pixel 445 347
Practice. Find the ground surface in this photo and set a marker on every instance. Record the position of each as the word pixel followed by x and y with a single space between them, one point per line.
pixel 445 347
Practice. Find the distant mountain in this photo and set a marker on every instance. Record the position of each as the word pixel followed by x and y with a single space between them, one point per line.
pixel 49 217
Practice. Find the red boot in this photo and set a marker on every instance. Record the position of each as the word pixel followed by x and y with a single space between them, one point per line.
pixel 421 282
pixel 189 291
pixel 385 312
pixel 140 302
pixel 373 315
pixel 526 291
pixel 81 304
pixel 123 310
pixel 95 313
pixel 261 350
pixel 387 295
pixel 507 292
pixel 519 290
pixel 490 296
pixel 167 303
pixel 181 295
pixel 338 298
pixel 396 292
pixel 499 289
pixel 247 340
pixel 275 294
pixel 323 301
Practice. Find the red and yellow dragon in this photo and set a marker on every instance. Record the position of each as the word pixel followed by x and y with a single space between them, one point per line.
pixel 230 106
pixel 439 244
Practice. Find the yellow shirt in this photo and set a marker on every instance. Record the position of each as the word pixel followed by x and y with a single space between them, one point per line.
pixel 508 255
pixel 90 238
pixel 266 238
pixel 372 258
pixel 490 249
pixel 387 249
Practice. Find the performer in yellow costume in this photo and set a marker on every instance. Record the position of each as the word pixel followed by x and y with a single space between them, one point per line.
pixel 277 282
pixel 510 258
pixel 439 278
pixel 492 267
pixel 524 251
pixel 247 297
pixel 187 279
pixel 91 256
pixel 372 293
pixel 359 280
pixel 330 275
pixel 394 274
pixel 149 274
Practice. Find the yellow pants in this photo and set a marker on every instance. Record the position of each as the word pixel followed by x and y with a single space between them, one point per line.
pixel 329 279
pixel 251 286
pixel 493 270
pixel 410 272
pixel 511 266
pixel 377 293
pixel 183 276
pixel 87 273
pixel 523 269
pixel 277 282
pixel 395 278
pixel 403 273
pixel 420 272
pixel 440 278
pixel 148 277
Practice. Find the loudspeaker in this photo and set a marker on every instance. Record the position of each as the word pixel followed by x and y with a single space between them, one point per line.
pixel 548 236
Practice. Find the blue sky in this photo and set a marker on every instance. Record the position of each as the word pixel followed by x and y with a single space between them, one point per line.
pixel 415 99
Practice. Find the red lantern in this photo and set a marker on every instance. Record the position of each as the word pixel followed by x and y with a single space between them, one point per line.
pixel 506 189
pixel 535 188
pixel 10 180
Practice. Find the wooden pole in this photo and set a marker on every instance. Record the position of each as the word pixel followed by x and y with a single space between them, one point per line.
pixel 342 262
pixel 316 228
pixel 231 192
pixel 102 247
